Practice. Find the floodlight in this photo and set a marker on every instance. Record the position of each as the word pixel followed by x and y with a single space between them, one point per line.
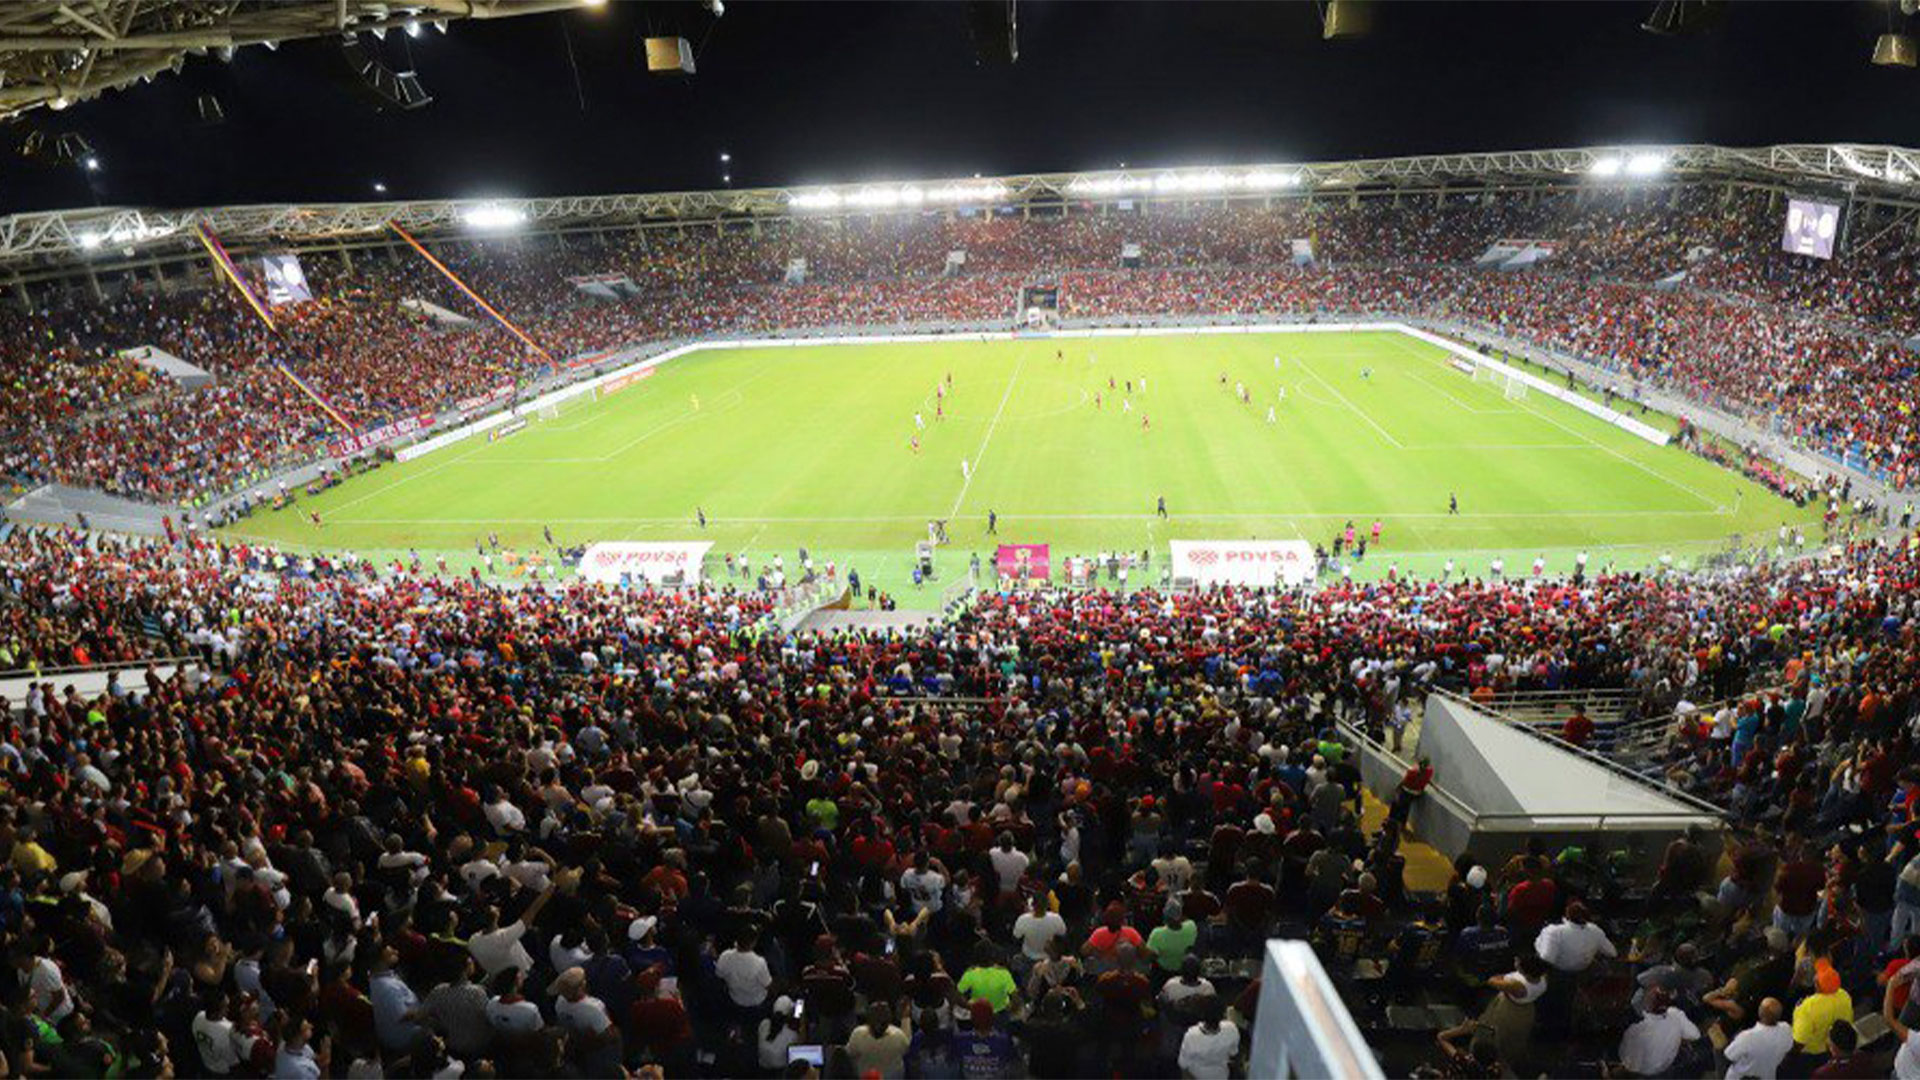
pixel 493 216
pixel 1646 165
pixel 1263 180
pixel 1895 50
pixel 92 163
pixel 91 240
pixel 1606 166
pixel 379 187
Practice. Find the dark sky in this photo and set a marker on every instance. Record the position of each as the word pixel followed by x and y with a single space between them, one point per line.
pixel 811 92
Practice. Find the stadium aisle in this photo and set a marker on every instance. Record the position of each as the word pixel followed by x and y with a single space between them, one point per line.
pixel 1428 871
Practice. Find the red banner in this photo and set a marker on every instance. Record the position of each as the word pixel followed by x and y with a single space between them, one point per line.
pixel 1023 561
pixel 349 445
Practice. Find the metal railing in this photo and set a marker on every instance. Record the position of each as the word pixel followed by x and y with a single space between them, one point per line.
pixel 1598 759
pixel 42 674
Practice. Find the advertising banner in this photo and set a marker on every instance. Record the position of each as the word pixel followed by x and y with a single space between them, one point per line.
pixel 348 445
pixel 1023 561
pixel 482 402
pixel 611 561
pixel 1243 562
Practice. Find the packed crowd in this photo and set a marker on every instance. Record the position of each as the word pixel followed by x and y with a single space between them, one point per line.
pixel 1810 349
pixel 394 823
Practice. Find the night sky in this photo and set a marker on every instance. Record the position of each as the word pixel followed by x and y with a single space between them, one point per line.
pixel 808 93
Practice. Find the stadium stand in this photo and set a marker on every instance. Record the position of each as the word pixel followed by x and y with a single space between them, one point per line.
pixel 1812 355
pixel 328 818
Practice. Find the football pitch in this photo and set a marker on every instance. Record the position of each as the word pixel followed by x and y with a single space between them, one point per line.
pixel 813 446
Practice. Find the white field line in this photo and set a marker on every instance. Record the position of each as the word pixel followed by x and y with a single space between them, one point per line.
pixel 1456 399
pixel 1527 406
pixel 1466 520
pixel 1357 411
pixel 981 454
pixel 429 471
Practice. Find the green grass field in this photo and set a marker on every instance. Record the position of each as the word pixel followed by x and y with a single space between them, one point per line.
pixel 790 446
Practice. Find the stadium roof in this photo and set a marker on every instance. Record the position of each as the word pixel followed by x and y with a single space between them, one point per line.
pixel 59 52
pixel 66 236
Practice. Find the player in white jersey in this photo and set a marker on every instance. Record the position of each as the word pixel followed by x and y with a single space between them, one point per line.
pixel 966 470
pixel 1270 416
pixel 919 423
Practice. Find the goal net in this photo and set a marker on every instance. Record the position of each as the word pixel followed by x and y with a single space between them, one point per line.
pixel 1510 386
pixel 552 410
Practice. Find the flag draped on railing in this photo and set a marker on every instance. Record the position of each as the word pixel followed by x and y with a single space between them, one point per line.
pixel 468 292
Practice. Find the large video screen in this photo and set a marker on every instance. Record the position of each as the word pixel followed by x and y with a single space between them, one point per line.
pixel 286 281
pixel 1811 227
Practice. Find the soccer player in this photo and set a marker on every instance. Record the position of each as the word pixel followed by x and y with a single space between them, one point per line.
pixel 939 411
pixel 1276 362
pixel 1448 571
pixel 919 423
pixel 1283 395
pixel 314 517
pixel 1376 532
pixel 1453 503
pixel 1366 373
pixel 1111 385
pixel 1270 416
pixel 1540 564
pixel 1161 509
pixel 695 399
pixel 1126 405
pixel 993 523
pixel 700 513
pixel 1143 384
pixel 1129 386
pixel 966 470
pixel 1146 422
pixel 914 444
pixel 1096 400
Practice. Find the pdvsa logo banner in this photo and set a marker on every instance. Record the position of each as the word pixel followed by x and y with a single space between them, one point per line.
pixel 1243 562
pixel 609 562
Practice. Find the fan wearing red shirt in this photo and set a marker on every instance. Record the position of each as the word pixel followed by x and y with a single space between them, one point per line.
pixel 1578 728
pixel 1533 902
pixel 657 1023
pixel 1112 933
pixel 1798 886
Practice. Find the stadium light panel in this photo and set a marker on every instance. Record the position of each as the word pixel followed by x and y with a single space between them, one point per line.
pixel 1646 165
pixel 892 196
pixel 1606 166
pixel 494 216
pixel 1268 181
pixel 91 240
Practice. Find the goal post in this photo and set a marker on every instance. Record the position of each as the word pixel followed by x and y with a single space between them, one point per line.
pixel 1510 385
pixel 552 410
